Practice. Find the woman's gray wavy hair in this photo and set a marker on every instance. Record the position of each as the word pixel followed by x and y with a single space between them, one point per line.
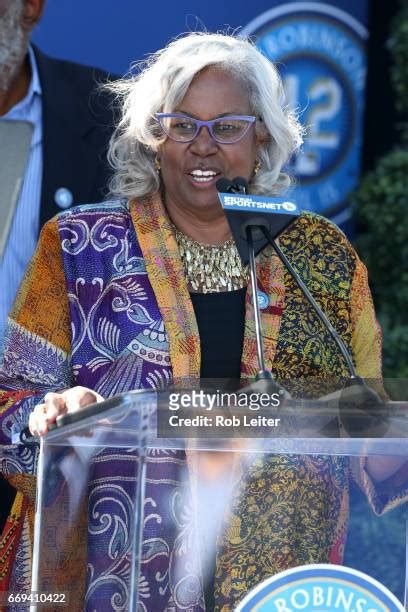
pixel 161 85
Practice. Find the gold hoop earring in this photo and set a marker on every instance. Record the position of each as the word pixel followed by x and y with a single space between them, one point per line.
pixel 157 165
pixel 257 166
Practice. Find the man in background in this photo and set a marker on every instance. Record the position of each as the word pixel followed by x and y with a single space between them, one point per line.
pixel 66 165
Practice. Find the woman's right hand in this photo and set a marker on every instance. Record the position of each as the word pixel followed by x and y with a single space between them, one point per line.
pixel 56 404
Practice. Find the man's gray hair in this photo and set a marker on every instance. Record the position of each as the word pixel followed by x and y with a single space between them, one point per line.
pixel 161 85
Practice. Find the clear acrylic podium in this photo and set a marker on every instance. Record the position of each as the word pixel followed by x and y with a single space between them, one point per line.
pixel 98 523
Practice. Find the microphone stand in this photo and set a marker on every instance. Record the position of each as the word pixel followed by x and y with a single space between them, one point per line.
pixel 263 372
pixel 264 381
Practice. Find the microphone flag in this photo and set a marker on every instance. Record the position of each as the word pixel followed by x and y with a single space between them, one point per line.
pixel 243 210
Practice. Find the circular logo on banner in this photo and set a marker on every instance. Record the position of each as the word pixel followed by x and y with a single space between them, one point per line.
pixel 319 588
pixel 321 57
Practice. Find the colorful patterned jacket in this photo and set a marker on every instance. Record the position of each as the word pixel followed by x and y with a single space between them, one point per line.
pixel 104 304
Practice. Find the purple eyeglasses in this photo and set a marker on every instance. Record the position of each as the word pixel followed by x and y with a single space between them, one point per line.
pixel 224 130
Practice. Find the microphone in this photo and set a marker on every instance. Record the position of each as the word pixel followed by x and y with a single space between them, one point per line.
pixel 259 212
pixel 267 217
pixel 239 184
pixel 256 221
pixel 224 185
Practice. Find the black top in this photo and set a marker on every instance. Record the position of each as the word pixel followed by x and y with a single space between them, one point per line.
pixel 221 321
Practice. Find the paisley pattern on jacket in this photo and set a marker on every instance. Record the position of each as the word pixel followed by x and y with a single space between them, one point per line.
pixel 104 304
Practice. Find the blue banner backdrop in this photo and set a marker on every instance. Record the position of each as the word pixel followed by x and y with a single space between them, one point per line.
pixel 319 47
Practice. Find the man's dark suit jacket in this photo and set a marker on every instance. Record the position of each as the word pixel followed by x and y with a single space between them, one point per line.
pixel 77 124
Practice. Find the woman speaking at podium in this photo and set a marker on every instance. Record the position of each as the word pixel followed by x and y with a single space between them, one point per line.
pixel 148 288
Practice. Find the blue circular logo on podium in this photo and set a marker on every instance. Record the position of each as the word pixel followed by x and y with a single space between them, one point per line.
pixel 320 588
pixel 320 51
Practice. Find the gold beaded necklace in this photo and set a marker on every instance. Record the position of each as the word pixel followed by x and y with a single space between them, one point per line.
pixel 209 268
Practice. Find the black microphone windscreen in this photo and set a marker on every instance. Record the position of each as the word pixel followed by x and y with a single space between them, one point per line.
pixel 223 185
pixel 241 183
